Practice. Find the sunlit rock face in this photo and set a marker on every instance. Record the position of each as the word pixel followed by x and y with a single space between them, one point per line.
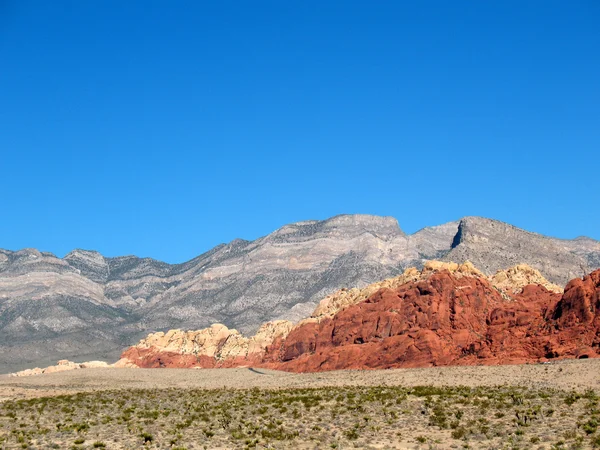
pixel 446 314
pixel 87 306
pixel 492 245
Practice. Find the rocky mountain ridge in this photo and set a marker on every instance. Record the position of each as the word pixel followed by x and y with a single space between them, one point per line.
pixel 445 314
pixel 219 346
pixel 89 306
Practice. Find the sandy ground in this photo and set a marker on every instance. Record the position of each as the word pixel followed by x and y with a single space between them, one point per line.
pixel 564 375
pixel 377 413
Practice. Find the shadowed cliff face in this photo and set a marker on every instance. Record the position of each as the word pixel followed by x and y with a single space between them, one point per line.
pixel 449 316
pixel 89 306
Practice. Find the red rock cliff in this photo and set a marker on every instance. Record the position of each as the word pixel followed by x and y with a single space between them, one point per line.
pixel 441 317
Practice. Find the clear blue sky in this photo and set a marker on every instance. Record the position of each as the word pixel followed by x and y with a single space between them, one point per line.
pixel 164 128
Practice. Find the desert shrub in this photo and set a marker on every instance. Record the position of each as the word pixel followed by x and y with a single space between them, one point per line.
pixel 595 441
pixel 571 398
pixel 459 433
pixel 590 426
pixel 439 417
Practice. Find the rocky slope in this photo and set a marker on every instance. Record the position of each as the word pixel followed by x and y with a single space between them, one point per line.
pixel 491 245
pixel 446 314
pixel 87 306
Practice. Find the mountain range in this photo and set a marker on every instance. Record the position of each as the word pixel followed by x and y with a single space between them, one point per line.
pixel 88 306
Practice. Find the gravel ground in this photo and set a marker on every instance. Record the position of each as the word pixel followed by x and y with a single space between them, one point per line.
pixel 564 375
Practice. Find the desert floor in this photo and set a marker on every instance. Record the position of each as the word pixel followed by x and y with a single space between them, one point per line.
pixel 565 375
pixel 549 406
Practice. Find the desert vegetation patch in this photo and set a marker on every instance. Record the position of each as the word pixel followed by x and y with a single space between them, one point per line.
pixel 331 417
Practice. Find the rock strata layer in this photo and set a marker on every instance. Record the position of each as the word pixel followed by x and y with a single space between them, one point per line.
pixel 445 314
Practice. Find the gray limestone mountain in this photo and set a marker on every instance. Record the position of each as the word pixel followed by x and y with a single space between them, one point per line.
pixel 87 306
pixel 492 245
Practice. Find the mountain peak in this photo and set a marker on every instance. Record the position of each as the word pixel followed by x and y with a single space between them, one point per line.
pixel 89 263
pixel 494 245
pixel 80 252
pixel 383 224
pixel 342 226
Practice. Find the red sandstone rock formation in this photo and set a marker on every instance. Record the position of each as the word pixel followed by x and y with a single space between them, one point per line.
pixel 440 319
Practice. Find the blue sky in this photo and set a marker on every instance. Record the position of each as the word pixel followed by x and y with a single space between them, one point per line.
pixel 164 128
